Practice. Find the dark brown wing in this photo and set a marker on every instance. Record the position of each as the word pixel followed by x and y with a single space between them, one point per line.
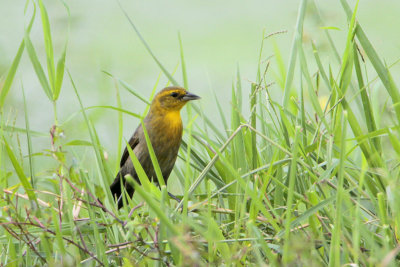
pixel 132 143
pixel 116 187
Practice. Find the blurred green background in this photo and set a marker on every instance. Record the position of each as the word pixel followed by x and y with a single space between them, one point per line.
pixel 218 37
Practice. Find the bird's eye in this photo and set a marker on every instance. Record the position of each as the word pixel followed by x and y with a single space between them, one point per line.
pixel 174 94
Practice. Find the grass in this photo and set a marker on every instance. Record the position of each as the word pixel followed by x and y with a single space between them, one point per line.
pixel 297 182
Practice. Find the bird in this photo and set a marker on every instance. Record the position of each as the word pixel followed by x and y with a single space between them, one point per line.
pixel 163 124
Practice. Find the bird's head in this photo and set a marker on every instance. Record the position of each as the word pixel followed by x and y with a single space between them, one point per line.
pixel 172 99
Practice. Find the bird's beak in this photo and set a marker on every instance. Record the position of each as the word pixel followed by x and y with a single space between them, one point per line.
pixel 190 96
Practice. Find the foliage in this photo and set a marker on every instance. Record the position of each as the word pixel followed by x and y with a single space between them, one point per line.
pixel 296 182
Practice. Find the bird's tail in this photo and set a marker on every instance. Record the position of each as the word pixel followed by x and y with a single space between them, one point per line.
pixel 116 189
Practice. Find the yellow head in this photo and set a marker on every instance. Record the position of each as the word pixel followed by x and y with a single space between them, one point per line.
pixel 171 99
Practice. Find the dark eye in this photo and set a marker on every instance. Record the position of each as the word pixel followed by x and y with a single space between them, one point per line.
pixel 174 94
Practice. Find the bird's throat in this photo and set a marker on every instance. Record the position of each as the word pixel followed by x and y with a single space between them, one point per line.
pixel 173 118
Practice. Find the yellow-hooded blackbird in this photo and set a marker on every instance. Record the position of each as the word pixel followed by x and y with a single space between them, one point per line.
pixel 164 127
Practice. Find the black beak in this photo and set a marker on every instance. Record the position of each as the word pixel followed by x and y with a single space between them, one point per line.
pixel 190 96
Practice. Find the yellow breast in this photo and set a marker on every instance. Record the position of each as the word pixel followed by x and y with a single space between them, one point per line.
pixel 173 118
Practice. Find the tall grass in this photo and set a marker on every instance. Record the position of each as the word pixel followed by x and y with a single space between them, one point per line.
pixel 296 182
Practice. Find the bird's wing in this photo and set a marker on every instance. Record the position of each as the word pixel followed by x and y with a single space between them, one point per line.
pixel 132 143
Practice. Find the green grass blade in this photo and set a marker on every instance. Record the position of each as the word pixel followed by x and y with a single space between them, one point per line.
pixel 38 67
pixel 320 66
pixel 347 59
pixel 49 46
pixel 57 228
pixel 204 172
pixel 293 52
pixel 221 112
pixel 369 115
pixel 164 70
pixel 153 157
pixel 120 125
pixel 183 64
pixel 60 73
pixel 154 206
pixel 21 175
pixel 14 66
pixel 29 139
pixel 272 258
pixel 11 73
pixel 128 88
pixel 61 62
pixel 321 21
pixel 116 109
pixel 334 254
pixel 10 129
pixel 307 214
pixel 310 87
pixel 394 141
pixel 144 180
pixel 104 171
pixel 380 68
pixel 289 209
pixel 78 143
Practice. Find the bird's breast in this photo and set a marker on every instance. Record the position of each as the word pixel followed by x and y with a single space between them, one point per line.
pixel 166 133
pixel 173 120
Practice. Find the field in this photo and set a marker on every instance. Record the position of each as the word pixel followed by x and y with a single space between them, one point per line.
pixel 294 164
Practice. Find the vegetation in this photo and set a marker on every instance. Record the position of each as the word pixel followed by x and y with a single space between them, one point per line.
pixel 294 181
